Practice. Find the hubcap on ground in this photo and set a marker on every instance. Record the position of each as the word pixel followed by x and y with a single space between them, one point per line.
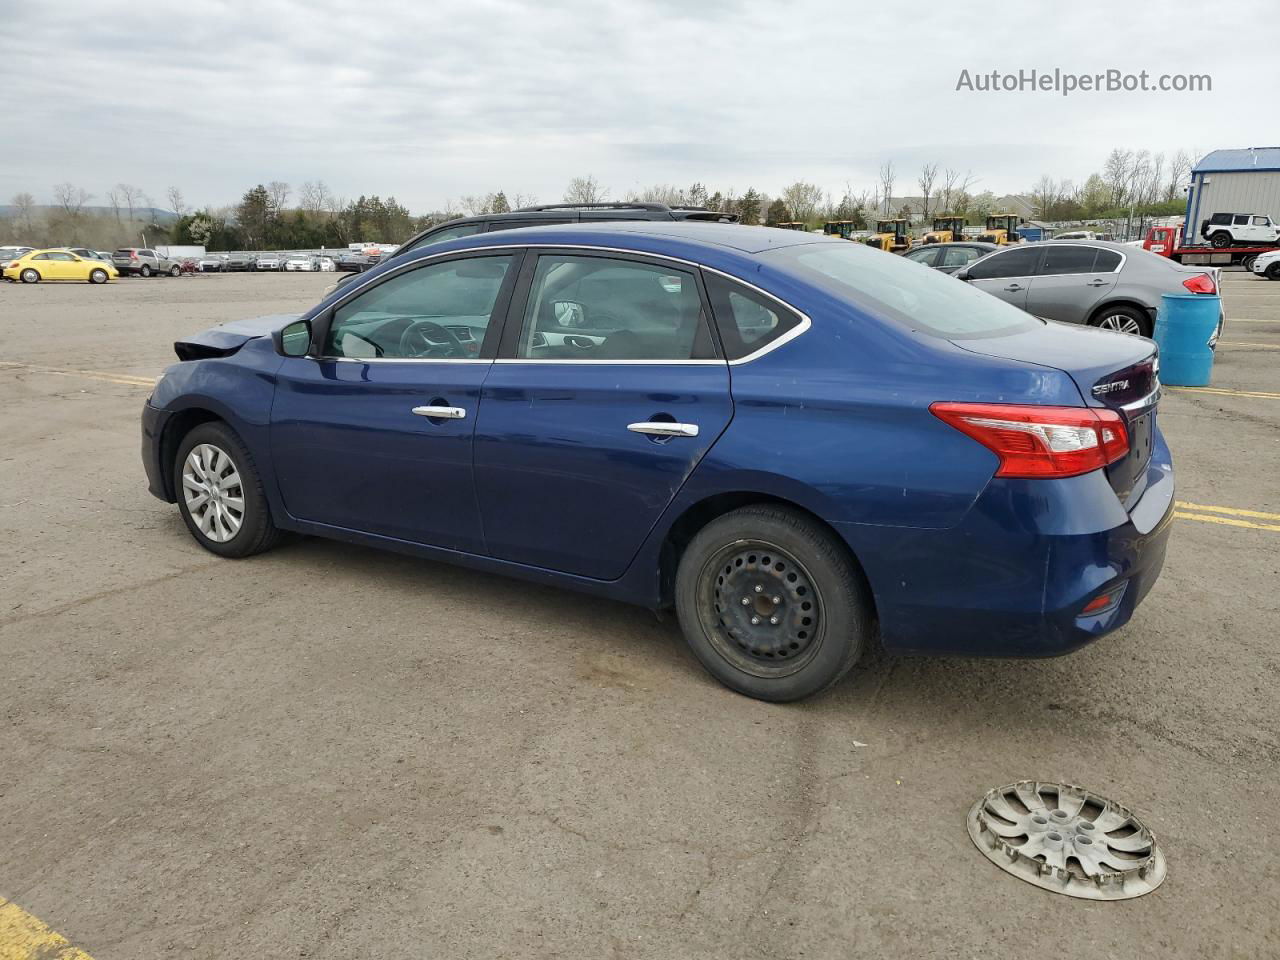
pixel 212 491
pixel 1122 323
pixel 760 608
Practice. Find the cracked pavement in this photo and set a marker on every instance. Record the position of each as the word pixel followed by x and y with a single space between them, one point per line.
pixel 329 752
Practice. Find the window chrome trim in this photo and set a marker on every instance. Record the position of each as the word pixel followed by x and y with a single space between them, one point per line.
pixel 800 328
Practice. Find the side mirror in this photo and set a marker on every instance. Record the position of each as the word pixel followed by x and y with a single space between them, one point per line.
pixel 569 313
pixel 962 273
pixel 294 340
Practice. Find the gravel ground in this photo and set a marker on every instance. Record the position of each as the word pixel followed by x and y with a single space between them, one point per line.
pixel 329 752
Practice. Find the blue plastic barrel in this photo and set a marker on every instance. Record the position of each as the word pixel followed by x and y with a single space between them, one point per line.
pixel 1185 323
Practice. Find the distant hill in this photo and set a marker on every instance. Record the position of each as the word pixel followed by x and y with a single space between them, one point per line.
pixel 146 214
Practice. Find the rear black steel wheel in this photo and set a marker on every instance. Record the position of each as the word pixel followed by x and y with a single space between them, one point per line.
pixel 771 603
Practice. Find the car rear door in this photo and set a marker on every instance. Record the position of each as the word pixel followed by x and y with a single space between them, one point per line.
pixel 373 431
pixel 1007 274
pixel 1070 281
pixel 608 390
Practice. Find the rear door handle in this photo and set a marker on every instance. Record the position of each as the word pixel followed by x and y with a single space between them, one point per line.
pixel 441 413
pixel 664 428
pixel 1096 282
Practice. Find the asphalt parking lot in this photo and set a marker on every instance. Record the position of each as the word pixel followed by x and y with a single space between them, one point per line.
pixel 327 751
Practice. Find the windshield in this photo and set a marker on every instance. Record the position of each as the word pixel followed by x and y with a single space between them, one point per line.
pixel 898 289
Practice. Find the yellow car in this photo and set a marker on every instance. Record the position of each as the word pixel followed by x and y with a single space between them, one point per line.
pixel 58 265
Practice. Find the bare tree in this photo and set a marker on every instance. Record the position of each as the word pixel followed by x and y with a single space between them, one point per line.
pixel 113 198
pixel 71 198
pixel 176 203
pixel 314 196
pixel 130 196
pixel 1117 172
pixel 953 198
pixel 519 200
pixel 24 207
pixel 667 193
pixel 1179 170
pixel 928 174
pixel 278 191
pixel 803 199
pixel 886 184
pixel 584 190
pixel 1044 197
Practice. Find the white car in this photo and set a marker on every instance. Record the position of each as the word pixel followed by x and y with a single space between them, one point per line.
pixel 1267 265
pixel 8 254
pixel 326 264
pixel 267 262
pixel 298 263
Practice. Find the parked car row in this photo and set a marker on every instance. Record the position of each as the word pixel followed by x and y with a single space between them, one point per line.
pixel 267 262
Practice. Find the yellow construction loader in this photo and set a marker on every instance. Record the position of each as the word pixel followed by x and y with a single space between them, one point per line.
pixel 844 229
pixel 945 230
pixel 1002 228
pixel 891 236
pixel 792 225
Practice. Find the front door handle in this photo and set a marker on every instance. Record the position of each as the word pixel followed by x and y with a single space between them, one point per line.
pixel 664 428
pixel 441 413
pixel 1013 287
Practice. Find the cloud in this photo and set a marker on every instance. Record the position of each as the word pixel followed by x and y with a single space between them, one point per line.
pixel 426 101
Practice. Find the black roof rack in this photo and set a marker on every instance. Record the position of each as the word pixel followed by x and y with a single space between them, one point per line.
pixel 594 206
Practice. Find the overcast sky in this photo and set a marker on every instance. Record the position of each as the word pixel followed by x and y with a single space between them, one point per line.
pixel 431 100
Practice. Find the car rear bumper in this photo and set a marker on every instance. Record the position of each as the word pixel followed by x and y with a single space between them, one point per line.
pixel 153 423
pixel 1013 578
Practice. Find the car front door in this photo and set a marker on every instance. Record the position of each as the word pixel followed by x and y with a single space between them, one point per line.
pixel 1007 274
pixel 608 391
pixel 373 431
pixel 63 266
pixel 1071 281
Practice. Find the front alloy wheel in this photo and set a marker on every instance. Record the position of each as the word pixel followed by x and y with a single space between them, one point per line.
pixel 220 493
pixel 213 493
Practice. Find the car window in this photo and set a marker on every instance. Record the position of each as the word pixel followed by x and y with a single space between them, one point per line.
pixel 926 255
pixel 1018 262
pixel 924 300
pixel 61 255
pixel 448 233
pixel 146 253
pixel 1107 262
pixel 41 256
pixel 748 321
pixel 1067 258
pixel 1241 220
pixel 959 256
pixel 438 311
pixel 599 308
pixel 1261 221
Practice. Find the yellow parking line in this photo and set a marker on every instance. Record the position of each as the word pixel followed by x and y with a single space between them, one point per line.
pixel 23 937
pixel 1224 392
pixel 1233 511
pixel 1226 521
pixel 128 379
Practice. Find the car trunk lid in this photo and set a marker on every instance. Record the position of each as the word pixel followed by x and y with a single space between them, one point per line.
pixel 1110 369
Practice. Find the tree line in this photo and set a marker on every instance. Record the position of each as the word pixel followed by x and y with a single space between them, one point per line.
pixel 274 216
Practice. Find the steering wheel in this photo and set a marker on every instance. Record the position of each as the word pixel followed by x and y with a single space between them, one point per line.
pixel 426 338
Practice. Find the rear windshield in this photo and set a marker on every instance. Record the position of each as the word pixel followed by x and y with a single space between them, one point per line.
pixel 915 296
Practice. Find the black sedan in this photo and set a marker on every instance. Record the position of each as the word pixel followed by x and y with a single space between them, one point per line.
pixel 949 257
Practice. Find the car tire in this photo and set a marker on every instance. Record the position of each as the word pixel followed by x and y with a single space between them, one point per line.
pixel 812 611
pixel 217 527
pixel 1220 239
pixel 1273 271
pixel 1247 262
pixel 30 275
pixel 144 270
pixel 98 276
pixel 1123 319
pixel 175 271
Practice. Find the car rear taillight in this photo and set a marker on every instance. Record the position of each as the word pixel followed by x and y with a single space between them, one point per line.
pixel 1200 283
pixel 1035 441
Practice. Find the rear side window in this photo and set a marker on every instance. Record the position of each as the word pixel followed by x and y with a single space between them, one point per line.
pixel 884 285
pixel 926 255
pixel 448 233
pixel 1108 261
pixel 1067 259
pixel 1019 262
pixel 1220 218
pixel 748 321
pixel 959 256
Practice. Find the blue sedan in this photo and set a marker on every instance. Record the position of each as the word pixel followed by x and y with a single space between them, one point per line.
pixel 798 443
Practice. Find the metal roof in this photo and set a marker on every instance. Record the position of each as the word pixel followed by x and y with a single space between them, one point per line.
pixel 1239 161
